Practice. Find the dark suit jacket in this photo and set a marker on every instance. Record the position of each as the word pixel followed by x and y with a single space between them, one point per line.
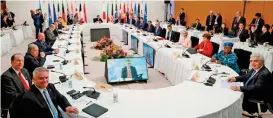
pixel 173 36
pixel 157 32
pixel 142 26
pixel 182 17
pixel 150 29
pixel 30 63
pixel 221 30
pixel 235 24
pixel 43 47
pixel 136 23
pixel 133 21
pixel 260 25
pixel 36 104
pixel 198 26
pixel 49 36
pixel 60 26
pixel 56 32
pixel 12 88
pixel 172 21
pixel 212 21
pixel 10 22
pixel 37 18
pixel 264 37
pixel 96 19
pixel 133 72
pixel 258 87
pixel 4 24
pixel 219 21
pixel 243 35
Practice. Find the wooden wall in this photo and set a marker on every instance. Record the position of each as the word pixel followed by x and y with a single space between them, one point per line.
pixel 200 9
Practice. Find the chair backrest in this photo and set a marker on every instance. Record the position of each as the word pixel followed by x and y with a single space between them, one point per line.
pixel 194 41
pixel 177 36
pixel 163 32
pixel 243 58
pixel 202 28
pixel 215 48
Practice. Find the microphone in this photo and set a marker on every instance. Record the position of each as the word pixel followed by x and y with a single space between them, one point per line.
pixel 166 45
pixel 206 67
pixel 67 51
pixel 62 78
pixel 185 55
pixel 64 62
pixel 56 83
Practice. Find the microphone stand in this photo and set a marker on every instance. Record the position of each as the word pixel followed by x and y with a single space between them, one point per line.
pixel 62 78
pixel 64 62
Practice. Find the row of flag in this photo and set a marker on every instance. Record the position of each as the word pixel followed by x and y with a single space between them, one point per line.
pixel 114 10
pixel 71 10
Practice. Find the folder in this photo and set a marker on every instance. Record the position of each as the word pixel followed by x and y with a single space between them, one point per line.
pixel 95 110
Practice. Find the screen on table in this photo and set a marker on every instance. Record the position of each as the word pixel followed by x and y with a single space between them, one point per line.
pixel 127 69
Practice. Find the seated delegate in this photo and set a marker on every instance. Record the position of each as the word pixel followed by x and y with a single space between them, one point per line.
pixel 205 47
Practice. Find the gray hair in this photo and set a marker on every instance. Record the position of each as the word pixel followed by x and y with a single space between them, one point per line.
pixel 30 46
pixel 52 26
pixel 39 69
pixel 261 57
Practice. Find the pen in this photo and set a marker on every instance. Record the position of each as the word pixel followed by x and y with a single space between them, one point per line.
pixel 88 102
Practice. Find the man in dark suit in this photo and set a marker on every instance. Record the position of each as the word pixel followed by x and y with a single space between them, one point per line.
pixel 182 17
pixel 170 34
pixel 242 33
pixel 98 19
pixel 4 22
pixel 150 28
pixel 171 19
pixel 271 39
pixel 256 84
pixel 11 16
pixel 197 25
pixel 43 99
pixel 32 58
pixel 265 35
pixel 223 29
pixel 37 22
pixel 218 21
pixel 158 29
pixel 136 24
pixel 210 21
pixel 131 20
pixel 60 25
pixel 56 31
pixel 237 20
pixel 129 71
pixel 50 36
pixel 141 25
pixel 258 23
pixel 43 47
pixel 14 82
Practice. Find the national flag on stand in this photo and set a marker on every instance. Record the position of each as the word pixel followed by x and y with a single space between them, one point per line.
pixel 72 7
pixel 145 13
pixel 49 15
pixel 81 15
pixel 112 9
pixel 135 10
pixel 116 10
pixel 124 13
pixel 107 13
pixel 84 11
pixel 59 13
pixel 54 13
pixel 63 16
pixel 138 10
pixel 131 10
pixel 103 11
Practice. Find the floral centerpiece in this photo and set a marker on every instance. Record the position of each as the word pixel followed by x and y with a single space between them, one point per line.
pixel 103 42
pixel 112 52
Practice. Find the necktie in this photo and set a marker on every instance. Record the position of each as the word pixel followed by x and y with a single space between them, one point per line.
pixel 168 36
pixel 239 32
pixel 23 81
pixel 50 104
pixel 129 73
pixel 251 77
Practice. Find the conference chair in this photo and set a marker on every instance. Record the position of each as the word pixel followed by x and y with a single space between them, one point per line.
pixel 267 103
pixel 243 60
pixel 163 32
pixel 202 28
pixel 194 41
pixel 177 36
pixel 215 48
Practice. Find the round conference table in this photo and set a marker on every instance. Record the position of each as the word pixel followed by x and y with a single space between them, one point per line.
pixel 187 99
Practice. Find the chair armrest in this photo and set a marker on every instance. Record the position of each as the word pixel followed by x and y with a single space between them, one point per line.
pixel 256 101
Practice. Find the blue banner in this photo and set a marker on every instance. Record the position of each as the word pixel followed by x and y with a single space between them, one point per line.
pixel 149 54
pixel 134 43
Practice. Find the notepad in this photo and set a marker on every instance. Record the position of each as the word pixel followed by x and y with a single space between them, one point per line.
pixel 95 110
pixel 225 84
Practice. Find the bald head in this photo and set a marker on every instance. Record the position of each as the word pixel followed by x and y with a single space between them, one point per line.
pixel 41 37
pixel 211 12
pixel 238 13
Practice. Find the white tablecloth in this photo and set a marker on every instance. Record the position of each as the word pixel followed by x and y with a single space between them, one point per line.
pixel 27 32
pixel 267 54
pixel 17 36
pixel 6 44
pixel 184 100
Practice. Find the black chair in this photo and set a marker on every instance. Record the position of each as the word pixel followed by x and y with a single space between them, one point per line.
pixel 194 41
pixel 215 48
pixel 243 60
pixel 162 33
pixel 177 36
pixel 202 28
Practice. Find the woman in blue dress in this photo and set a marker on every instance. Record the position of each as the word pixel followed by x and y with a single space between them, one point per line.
pixel 226 57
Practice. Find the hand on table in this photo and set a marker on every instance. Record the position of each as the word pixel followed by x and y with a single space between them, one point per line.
pixel 42 54
pixel 70 110
pixel 213 60
pixel 235 88
pixel 231 79
pixel 200 50
pixel 56 51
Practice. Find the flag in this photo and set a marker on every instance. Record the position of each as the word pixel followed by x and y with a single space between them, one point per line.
pixel 116 11
pixel 72 7
pixel 54 13
pixel 138 10
pixel 124 13
pixel 49 16
pixel 63 16
pixel 81 15
pixel 84 11
pixel 41 8
pixel 145 13
pixel 103 12
pixel 135 10
pixel 59 13
pixel 112 10
pixel 107 14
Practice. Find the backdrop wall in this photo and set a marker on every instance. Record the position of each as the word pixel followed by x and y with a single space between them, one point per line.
pixel 200 9
pixel 22 9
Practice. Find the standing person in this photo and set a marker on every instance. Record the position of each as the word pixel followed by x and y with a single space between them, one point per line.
pixel 11 16
pixel 218 21
pixel 37 22
pixel 237 20
pixel 182 17
pixel 210 21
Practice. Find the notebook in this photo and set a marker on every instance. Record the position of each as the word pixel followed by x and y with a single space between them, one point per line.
pixel 95 110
